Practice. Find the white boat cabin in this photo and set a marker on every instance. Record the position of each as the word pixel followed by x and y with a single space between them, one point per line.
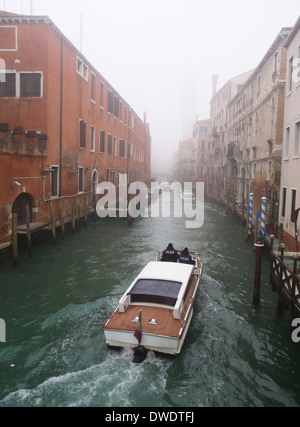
pixel 160 284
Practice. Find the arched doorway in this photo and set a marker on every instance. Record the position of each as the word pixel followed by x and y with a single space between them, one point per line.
pixel 19 207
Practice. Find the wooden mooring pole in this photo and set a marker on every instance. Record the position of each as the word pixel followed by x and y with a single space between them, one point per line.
pixel 15 238
pixel 52 221
pixel 256 292
pixel 61 218
pixel 85 212
pixel 28 232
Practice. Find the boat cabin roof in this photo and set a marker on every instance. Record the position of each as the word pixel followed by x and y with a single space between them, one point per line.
pixel 170 271
pixel 160 282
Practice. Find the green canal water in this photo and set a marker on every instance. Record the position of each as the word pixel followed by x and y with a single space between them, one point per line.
pixel 55 304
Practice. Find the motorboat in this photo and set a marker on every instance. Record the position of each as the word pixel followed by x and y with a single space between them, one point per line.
pixel 156 310
pixel 188 196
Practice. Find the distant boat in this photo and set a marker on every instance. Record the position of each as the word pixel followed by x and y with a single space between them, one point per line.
pixel 188 196
pixel 156 310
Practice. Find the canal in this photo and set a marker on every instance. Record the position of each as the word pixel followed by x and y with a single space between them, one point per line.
pixel 54 306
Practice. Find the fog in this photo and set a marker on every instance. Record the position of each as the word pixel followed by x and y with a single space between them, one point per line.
pixel 160 54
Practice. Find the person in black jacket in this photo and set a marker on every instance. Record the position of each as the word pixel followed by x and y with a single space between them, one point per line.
pixel 185 257
pixel 170 254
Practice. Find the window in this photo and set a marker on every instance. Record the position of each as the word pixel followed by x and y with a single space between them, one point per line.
pixel 287 143
pixel 203 129
pixel 30 84
pixel 82 69
pixel 283 202
pixel 293 205
pixel 116 106
pixel 110 102
pixel 290 75
pixel 125 114
pixel 54 181
pixel 102 141
pixel 92 138
pixel 80 179
pixel 107 175
pixel 121 110
pixel 82 133
pixel 109 144
pixel 93 84
pixel 8 85
pixel 122 148
pixel 297 139
pixel 101 94
pixel 115 146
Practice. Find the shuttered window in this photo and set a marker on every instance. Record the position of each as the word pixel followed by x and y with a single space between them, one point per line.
pixel 8 84
pixel 30 85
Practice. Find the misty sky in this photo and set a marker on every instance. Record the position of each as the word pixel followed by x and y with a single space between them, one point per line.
pixel 160 54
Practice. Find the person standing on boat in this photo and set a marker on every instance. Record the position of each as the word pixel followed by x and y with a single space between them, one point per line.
pixel 170 254
pixel 185 257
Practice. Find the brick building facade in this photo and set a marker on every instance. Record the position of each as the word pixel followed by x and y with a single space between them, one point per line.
pixel 63 127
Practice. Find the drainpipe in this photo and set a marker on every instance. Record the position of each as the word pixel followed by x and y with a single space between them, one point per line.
pixel 61 114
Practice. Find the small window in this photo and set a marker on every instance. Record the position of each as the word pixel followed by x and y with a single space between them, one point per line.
pixel 80 179
pixel 109 144
pixel 102 141
pixel 93 85
pixel 110 101
pixel 116 106
pixel 92 138
pixel 8 84
pixel 82 133
pixel 115 146
pixel 101 94
pixel 30 85
pixel 283 206
pixel 82 69
pixel 122 148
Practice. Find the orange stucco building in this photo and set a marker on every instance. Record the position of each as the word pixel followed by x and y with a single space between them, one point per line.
pixel 63 127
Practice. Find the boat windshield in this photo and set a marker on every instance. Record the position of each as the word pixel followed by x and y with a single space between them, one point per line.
pixel 155 291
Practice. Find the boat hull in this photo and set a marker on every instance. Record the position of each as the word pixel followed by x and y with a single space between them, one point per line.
pixel 152 342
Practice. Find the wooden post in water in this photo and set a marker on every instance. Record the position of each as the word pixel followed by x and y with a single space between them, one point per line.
pixel 247 226
pixel 61 218
pixel 77 214
pixel 73 215
pixel 15 238
pixel 52 221
pixel 27 212
pixel 256 292
pixel 85 212
pixel 281 304
pixel 256 228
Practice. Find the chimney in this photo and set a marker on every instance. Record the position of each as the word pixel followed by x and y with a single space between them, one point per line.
pixel 215 78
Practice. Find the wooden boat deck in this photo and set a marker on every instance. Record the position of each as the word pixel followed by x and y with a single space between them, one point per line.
pixel 166 326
